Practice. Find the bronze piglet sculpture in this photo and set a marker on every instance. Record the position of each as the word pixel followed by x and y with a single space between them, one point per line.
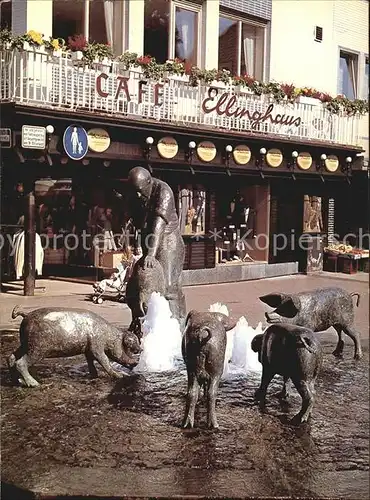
pixel 317 310
pixel 54 332
pixel 293 352
pixel 203 350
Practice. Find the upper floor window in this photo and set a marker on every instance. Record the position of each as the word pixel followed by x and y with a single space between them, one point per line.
pixel 366 80
pixel 171 29
pixel 6 15
pixel 348 68
pixel 91 18
pixel 241 47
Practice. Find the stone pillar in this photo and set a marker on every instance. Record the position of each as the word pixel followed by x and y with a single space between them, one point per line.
pixel 135 26
pixel 34 15
pixel 210 22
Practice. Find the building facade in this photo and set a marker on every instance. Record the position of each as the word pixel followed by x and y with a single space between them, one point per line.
pixel 249 160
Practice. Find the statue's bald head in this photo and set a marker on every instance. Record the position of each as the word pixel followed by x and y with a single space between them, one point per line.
pixel 141 181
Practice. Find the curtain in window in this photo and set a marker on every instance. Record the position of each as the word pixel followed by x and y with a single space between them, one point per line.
pixel 347 75
pixel 186 42
pixel 248 50
pixel 108 14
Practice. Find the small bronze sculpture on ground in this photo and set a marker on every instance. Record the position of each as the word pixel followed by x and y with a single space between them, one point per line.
pixel 295 353
pixel 153 212
pixel 317 310
pixel 203 350
pixel 55 332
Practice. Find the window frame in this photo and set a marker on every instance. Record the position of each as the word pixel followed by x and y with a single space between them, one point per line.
pixel 365 90
pixel 172 45
pixel 120 9
pixel 240 20
pixel 354 55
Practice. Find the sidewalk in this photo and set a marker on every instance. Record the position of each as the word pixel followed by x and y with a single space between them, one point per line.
pixel 240 297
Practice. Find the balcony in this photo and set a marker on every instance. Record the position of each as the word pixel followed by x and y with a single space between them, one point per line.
pixel 42 80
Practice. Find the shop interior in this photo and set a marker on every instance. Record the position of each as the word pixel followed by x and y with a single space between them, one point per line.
pixel 84 224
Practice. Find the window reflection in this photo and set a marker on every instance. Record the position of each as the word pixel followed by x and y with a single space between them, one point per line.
pixel 241 47
pixel 156 29
pixel 228 45
pixel 68 20
pixel 192 209
pixel 6 15
pixel 347 75
pixel 186 35
pixel 366 86
pixel 100 17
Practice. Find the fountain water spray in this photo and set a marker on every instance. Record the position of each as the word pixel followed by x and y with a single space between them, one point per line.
pixel 161 337
pixel 239 357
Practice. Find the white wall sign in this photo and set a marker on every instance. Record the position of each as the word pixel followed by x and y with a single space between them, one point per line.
pixel 33 137
pixel 5 137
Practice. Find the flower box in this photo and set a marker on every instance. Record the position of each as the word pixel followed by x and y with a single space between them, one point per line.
pixel 312 101
pixel 77 55
pixel 57 53
pixel 242 89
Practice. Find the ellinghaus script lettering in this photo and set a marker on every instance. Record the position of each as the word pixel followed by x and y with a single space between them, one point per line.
pixel 227 105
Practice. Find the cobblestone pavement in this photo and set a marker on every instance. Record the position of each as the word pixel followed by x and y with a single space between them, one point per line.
pixel 241 298
pixel 75 437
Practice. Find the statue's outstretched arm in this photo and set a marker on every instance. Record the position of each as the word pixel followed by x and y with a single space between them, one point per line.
pixel 154 238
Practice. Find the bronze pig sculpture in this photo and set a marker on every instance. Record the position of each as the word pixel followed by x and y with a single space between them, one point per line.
pixel 54 332
pixel 317 310
pixel 295 353
pixel 203 350
pixel 141 284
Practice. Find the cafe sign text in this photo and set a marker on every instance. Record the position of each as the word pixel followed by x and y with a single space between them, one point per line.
pixel 216 100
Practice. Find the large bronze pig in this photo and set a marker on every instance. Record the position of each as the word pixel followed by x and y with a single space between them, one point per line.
pixel 293 352
pixel 54 332
pixel 317 310
pixel 203 350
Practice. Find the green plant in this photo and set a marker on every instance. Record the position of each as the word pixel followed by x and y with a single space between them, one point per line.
pixel 18 41
pixel 128 59
pixel 175 67
pixel 5 38
pixel 223 76
pixel 97 52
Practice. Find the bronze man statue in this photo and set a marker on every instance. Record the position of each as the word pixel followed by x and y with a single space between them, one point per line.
pixel 154 214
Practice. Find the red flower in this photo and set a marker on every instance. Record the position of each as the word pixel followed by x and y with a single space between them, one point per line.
pixel 144 60
pixel 248 79
pixel 77 42
pixel 288 89
pixel 326 97
pixel 187 67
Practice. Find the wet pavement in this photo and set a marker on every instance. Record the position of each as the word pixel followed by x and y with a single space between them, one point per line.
pixel 74 436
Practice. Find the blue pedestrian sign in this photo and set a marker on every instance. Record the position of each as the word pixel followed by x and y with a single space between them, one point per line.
pixel 75 142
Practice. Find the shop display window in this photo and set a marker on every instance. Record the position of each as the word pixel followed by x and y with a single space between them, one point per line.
pixel 192 209
pixel 312 214
pixel 236 223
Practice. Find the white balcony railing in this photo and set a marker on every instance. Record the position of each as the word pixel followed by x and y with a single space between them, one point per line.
pixel 41 80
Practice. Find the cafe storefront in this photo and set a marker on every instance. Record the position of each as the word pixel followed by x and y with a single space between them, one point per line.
pixel 244 171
